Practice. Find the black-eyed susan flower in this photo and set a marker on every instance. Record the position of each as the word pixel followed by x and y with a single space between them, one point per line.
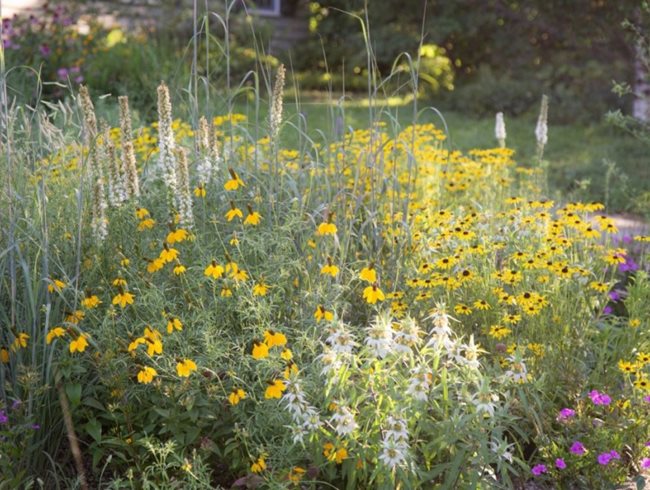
pixel 55 332
pixel 185 367
pixel 214 270
pixel 20 342
pixel 177 236
pixel 272 338
pixel 146 375
pixel 141 213
pixel 233 212
pixel 286 354
pixel 155 265
pixel 253 218
pixel 322 314
pixel 56 285
pixel 329 268
pixel 239 275
pixel 259 465
pixel 372 294
pixel 234 182
pixel 168 254
pixel 236 395
pixel 275 389
pixel 174 323
pixel 91 302
pixel 199 191
pixel 123 298
pixel 326 228
pixel 260 289
pixel 627 367
pixel 179 269
pixel 368 274
pixel 260 350
pixel 118 281
pixel 146 224
pixel 79 344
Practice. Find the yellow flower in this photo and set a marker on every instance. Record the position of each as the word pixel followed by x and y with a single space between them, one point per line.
pixel 368 274
pixel 179 269
pixel 233 213
pixel 481 305
pixel 330 269
pixel 119 282
pixel 599 286
pixel 236 396
pixel 253 217
pixel 75 317
pixel 199 191
pixel 634 322
pixel 54 333
pixel 292 368
pixel 627 367
pixel 56 286
pixel 239 275
pixel 234 182
pixel 20 341
pixel 259 465
pixel 214 270
pixel 326 228
pixel 260 350
pixel 174 323
pixel 123 299
pixel 4 356
pixel 79 344
pixel 146 375
pixel 372 294
pixel 155 265
pixel 125 262
pixel 286 354
pixel 177 236
pixel 134 344
pixel 322 314
pixel 272 339
pixel 333 454
pixel 185 367
pixel 91 302
pixel 168 254
pixel 146 224
pixel 296 474
pixel 153 340
pixel 275 389
pixel 226 293
pixel 141 213
pixel 260 289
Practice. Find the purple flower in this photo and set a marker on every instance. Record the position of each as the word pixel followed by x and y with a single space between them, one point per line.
pixel 614 454
pixel 645 463
pixel 538 469
pixel 629 265
pixel 16 404
pixel 627 238
pixel 607 310
pixel 44 50
pixel 62 73
pixel 36 426
pixel 646 399
pixel 599 398
pixel 614 295
pixel 565 413
pixel 79 79
pixel 577 448
pixel 604 459
pixel 560 464
pixel 6 43
pixel 3 417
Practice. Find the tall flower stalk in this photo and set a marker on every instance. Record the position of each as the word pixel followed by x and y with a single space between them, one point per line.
pixel 541 130
pixel 98 216
pixel 500 130
pixel 131 182
pixel 275 117
pixel 166 147
pixel 183 196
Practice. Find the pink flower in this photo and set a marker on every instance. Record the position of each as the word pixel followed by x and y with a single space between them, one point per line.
pixel 605 458
pixel 538 469
pixel 565 413
pixel 599 398
pixel 578 448
pixel 645 463
pixel 560 464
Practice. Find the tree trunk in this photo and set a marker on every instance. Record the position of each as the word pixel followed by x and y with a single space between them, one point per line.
pixel 641 107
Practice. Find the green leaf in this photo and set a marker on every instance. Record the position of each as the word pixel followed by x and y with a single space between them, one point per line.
pixel 94 429
pixel 74 393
